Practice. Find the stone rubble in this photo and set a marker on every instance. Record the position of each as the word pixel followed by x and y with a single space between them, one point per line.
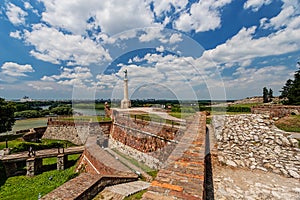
pixel 252 141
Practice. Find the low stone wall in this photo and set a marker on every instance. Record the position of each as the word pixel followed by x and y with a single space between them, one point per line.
pixel 76 132
pixel 254 142
pixel 275 110
pixel 86 186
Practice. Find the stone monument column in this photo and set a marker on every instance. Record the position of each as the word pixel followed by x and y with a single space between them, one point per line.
pixel 125 103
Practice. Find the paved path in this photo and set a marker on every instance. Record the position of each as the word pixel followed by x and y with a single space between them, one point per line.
pixel 47 153
pixel 182 177
pixel 129 164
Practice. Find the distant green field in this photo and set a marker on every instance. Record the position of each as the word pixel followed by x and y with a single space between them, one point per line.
pixel 30 123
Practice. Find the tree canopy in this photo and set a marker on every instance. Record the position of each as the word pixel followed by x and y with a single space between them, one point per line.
pixel 7 119
pixel 291 89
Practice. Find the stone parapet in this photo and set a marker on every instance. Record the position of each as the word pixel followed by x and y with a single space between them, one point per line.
pixel 76 133
pixel 86 186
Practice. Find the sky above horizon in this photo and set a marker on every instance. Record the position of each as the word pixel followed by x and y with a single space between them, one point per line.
pixel 172 49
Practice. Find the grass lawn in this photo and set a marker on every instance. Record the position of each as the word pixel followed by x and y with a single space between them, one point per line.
pixel 30 123
pixel 289 124
pixel 144 167
pixel 137 195
pixel 181 115
pixel 153 118
pixel 19 144
pixel 23 187
pixel 85 118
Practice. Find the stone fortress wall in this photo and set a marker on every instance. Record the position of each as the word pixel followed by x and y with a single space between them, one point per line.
pixel 252 141
pixel 145 141
pixel 76 132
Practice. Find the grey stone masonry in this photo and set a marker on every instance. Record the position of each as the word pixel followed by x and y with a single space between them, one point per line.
pixel 252 141
pixel 33 165
pixel 61 161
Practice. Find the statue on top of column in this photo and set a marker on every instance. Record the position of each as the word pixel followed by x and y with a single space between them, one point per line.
pixel 125 72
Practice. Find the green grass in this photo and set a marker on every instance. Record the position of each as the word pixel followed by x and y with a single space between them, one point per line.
pixel 181 115
pixel 153 118
pixel 144 167
pixel 289 124
pixel 30 123
pixel 227 113
pixel 137 195
pixel 18 144
pixel 23 187
pixel 99 106
pixel 249 105
pixel 53 160
pixel 85 118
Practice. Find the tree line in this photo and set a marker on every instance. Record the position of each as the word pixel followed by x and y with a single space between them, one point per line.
pixel 290 93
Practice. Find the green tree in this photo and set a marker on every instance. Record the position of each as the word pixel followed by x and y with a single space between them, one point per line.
pixel 7 119
pixel 270 95
pixel 265 95
pixel 286 89
pixel 62 110
pixel 291 90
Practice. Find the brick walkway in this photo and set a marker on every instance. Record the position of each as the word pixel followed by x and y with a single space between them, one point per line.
pixel 183 174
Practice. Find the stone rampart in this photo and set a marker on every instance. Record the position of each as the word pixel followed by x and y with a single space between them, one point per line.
pixel 275 110
pixel 252 141
pixel 147 142
pixel 76 132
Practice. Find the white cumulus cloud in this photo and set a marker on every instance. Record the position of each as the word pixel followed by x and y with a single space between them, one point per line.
pixel 202 16
pixel 113 16
pixel 15 14
pixel 255 5
pixel 61 47
pixel 14 69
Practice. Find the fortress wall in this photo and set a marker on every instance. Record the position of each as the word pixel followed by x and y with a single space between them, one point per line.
pixel 77 132
pixel 150 143
pixel 275 110
pixel 253 141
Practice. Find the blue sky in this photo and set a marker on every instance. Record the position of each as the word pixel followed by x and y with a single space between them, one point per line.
pixel 207 49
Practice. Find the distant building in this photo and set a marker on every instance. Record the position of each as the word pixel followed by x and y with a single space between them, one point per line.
pixel 25 99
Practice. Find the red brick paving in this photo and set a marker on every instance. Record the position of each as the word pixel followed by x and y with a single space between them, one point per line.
pixel 183 175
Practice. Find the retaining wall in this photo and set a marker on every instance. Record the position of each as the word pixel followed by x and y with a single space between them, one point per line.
pixel 147 142
pixel 275 110
pixel 252 141
pixel 76 132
